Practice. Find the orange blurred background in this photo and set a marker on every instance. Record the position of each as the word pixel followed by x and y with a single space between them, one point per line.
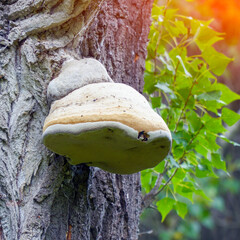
pixel 226 19
pixel 227 15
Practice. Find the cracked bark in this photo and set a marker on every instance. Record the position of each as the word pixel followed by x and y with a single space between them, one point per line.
pixel 41 195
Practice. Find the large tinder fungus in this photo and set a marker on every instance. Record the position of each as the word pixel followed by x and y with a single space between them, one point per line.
pixel 107 125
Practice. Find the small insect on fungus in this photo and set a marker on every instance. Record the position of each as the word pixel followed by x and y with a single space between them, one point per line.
pixel 143 135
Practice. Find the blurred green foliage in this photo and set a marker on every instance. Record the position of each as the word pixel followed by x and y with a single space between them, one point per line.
pixel 180 80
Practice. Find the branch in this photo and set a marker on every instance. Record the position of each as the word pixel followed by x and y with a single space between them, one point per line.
pixel 148 232
pixel 149 197
pixel 169 180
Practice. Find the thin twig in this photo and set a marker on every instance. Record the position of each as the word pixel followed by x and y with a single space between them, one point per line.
pixel 185 105
pixel 149 197
pixel 147 232
pixel 167 181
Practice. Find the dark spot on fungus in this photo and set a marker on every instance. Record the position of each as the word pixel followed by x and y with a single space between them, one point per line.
pixel 110 130
pixel 162 146
pixel 143 135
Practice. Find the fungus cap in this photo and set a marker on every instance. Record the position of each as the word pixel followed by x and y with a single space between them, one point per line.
pixel 75 74
pixel 107 125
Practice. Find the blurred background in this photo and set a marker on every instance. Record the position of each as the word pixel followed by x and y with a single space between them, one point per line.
pixel 218 219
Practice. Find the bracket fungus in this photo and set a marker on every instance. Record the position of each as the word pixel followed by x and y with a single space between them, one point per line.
pixel 105 124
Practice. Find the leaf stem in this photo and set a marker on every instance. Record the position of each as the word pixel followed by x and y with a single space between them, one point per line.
pixel 169 180
pixel 185 105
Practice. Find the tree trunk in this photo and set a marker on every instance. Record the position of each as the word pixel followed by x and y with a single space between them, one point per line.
pixel 41 195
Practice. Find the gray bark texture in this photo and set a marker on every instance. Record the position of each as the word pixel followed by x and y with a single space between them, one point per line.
pixel 41 195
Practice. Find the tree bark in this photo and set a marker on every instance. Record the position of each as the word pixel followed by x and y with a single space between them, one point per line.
pixel 41 195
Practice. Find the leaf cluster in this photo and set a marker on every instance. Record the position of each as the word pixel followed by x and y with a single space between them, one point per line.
pixel 181 81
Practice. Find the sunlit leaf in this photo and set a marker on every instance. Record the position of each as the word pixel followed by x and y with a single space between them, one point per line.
pixel 160 167
pixel 230 117
pixel 206 37
pixel 204 171
pixel 228 95
pixel 180 174
pixel 181 27
pixel 181 209
pixel 213 124
pixel 217 161
pixel 185 189
pixel 164 206
pixel 217 61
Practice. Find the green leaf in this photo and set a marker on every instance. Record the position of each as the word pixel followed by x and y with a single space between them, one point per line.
pixel 213 125
pixel 150 81
pixel 202 194
pixel 191 158
pixel 170 13
pixel 203 170
pixel 177 150
pixel 180 174
pixel 181 209
pixel 194 120
pixel 173 162
pixel 202 85
pixel 187 187
pixel 217 61
pixel 183 82
pixel 182 137
pixel 164 206
pixel 146 180
pixel 208 141
pixel 156 102
pixel 148 66
pixel 206 37
pixel 164 87
pixel 229 141
pixel 172 29
pixel 210 96
pixel 201 149
pixel 160 167
pixel 184 68
pixel 218 162
pixel 183 188
pixel 157 10
pixel 181 27
pixel 230 117
pixel 227 96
